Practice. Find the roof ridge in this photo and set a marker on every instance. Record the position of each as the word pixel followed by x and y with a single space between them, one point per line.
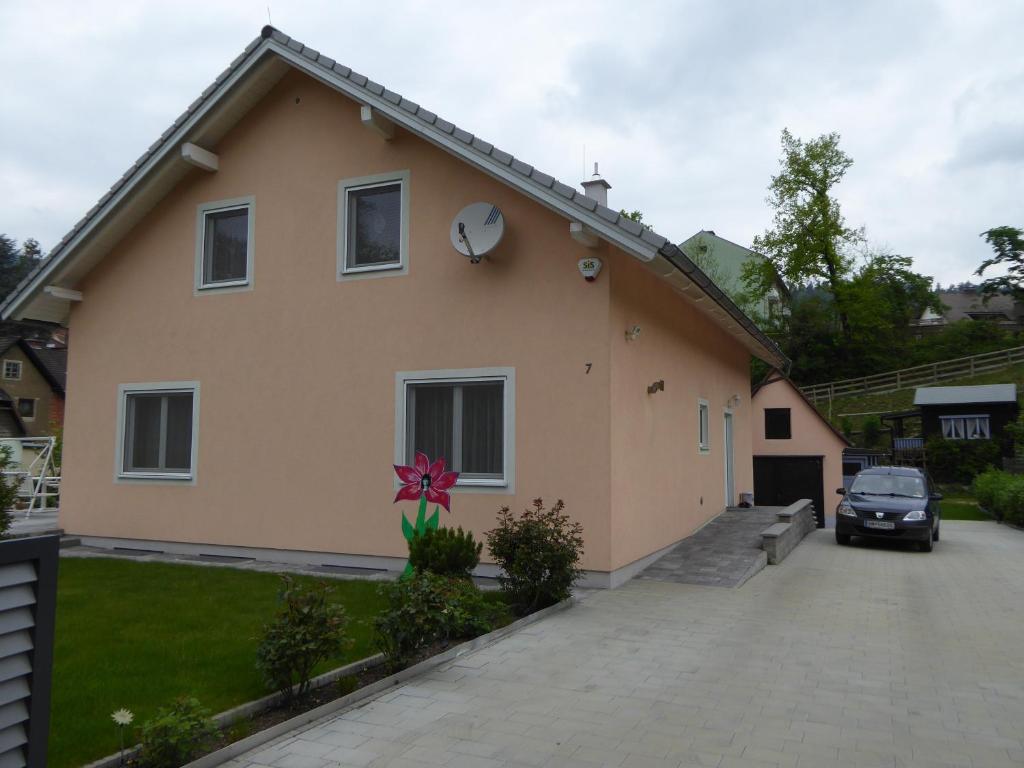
pixel 270 35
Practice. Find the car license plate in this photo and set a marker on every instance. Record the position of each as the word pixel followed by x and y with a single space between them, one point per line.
pixel 883 525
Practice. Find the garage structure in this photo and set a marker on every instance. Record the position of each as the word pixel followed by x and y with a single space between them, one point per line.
pixel 797 453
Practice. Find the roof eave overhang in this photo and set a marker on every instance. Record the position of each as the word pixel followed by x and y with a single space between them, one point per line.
pixel 667 260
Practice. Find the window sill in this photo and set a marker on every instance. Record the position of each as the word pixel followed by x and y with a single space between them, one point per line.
pixel 374 268
pixel 704 451
pixel 481 483
pixel 174 477
pixel 226 284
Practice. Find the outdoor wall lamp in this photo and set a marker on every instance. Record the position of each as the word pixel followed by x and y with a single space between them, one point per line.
pixel 658 386
pixel 734 401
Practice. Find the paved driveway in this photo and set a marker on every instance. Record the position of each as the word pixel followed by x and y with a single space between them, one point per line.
pixel 863 656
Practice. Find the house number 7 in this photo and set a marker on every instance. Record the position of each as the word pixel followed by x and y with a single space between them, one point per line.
pixel 589 365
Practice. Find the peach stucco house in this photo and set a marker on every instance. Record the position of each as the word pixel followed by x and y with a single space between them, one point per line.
pixel 798 454
pixel 268 312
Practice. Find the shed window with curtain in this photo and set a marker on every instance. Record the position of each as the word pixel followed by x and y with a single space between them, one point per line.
pixel 460 421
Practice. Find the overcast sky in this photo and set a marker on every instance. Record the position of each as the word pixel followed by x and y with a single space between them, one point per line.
pixel 681 102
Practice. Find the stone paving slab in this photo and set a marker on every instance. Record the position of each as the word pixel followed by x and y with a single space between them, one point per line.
pixel 863 656
pixel 724 553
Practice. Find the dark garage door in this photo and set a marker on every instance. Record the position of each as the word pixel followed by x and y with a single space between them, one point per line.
pixel 781 480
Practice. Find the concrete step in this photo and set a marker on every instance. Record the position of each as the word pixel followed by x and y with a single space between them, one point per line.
pixel 70 541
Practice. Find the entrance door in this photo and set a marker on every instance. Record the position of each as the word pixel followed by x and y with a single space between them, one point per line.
pixel 730 484
pixel 781 480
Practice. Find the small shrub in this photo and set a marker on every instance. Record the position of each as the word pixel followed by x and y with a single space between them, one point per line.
pixel 960 461
pixel 871 430
pixel 176 734
pixel 9 487
pixel 539 553
pixel 1002 494
pixel 427 608
pixel 307 630
pixel 346 685
pixel 985 487
pixel 445 551
pixel 846 426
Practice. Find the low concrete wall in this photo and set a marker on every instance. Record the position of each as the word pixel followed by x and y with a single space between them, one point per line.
pixel 794 522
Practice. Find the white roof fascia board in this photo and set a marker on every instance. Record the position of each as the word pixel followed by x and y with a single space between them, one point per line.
pixel 548 198
pixel 45 275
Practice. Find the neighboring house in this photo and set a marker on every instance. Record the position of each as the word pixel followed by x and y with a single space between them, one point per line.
pixel 969 413
pixel 724 261
pixel 268 312
pixel 798 454
pixel 970 304
pixel 31 386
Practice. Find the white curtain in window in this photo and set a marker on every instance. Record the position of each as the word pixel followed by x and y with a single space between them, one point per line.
pixel 432 420
pixel 482 428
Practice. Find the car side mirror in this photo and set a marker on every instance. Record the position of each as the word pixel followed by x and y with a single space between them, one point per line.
pixel 841 491
pixel 936 497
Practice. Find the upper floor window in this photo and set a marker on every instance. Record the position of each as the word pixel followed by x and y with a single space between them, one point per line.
pixel 27 408
pixel 464 417
pixel 224 244
pixel 777 425
pixel 158 430
pixel 12 370
pixel 965 427
pixel 703 427
pixel 373 225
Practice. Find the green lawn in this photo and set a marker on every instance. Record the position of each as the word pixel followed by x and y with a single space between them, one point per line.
pixel 137 635
pixel 962 509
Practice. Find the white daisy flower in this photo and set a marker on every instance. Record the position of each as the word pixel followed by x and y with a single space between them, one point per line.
pixel 123 717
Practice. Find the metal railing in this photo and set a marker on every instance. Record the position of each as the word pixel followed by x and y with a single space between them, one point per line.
pixel 929 373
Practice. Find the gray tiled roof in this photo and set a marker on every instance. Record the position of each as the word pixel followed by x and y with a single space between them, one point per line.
pixel 984 393
pixel 486 154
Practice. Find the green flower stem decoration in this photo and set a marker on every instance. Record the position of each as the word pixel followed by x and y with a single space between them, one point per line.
pixel 423 482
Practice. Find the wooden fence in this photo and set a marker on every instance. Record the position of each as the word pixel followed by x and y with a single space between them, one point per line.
pixel 919 375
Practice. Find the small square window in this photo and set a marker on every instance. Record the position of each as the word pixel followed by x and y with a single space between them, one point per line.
pixel 777 424
pixel 224 246
pixel 158 437
pixel 27 408
pixel 704 435
pixel 464 417
pixel 12 370
pixel 373 225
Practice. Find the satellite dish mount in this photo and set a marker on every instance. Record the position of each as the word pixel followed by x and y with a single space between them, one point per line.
pixel 477 230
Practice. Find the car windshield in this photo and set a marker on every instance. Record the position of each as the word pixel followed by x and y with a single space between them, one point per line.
pixel 889 485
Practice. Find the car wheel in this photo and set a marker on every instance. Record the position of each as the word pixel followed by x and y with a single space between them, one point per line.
pixel 843 538
pixel 935 535
pixel 926 545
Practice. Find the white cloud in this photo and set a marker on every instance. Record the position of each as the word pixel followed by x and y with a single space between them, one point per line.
pixel 682 103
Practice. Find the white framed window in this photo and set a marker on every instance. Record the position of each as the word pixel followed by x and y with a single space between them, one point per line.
pixel 373 225
pixel 703 427
pixel 157 431
pixel 975 427
pixel 12 370
pixel 465 416
pixel 27 408
pixel 224 245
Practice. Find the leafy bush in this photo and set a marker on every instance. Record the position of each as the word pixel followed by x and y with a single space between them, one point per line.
pixel 176 734
pixel 872 431
pixel 1002 494
pixel 539 553
pixel 960 461
pixel 8 488
pixel 445 551
pixel 428 608
pixel 307 630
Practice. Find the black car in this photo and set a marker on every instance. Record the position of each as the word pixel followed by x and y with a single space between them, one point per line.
pixel 890 503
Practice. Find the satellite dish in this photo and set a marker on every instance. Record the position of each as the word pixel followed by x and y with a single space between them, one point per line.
pixel 477 230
